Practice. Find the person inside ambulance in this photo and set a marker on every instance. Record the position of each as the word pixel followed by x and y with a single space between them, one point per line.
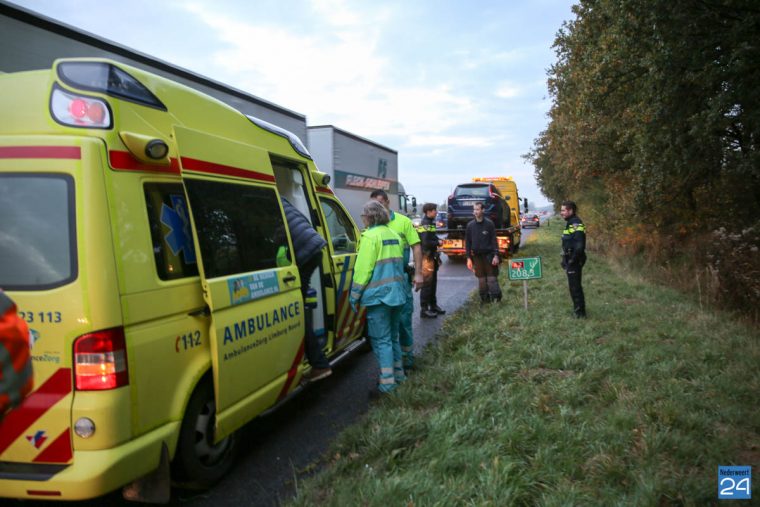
pixel 308 245
pixel 379 284
pixel 15 361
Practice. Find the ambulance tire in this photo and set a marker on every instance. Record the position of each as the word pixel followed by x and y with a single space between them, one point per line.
pixel 198 462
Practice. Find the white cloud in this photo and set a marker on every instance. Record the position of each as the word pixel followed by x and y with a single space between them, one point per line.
pixel 507 90
pixel 338 77
pixel 335 12
pixel 450 141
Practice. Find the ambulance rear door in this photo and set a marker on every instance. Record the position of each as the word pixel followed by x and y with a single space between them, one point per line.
pixel 239 228
pixel 343 244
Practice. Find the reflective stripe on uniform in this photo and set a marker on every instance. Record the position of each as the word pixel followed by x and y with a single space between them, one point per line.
pixel 573 228
pixel 389 260
pixel 383 281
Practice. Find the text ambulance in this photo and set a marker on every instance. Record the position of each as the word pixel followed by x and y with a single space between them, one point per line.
pixel 141 222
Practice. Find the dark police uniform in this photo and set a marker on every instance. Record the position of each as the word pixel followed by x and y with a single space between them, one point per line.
pixel 573 259
pixel 430 263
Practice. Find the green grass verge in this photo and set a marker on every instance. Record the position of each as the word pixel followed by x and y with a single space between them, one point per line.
pixel 637 405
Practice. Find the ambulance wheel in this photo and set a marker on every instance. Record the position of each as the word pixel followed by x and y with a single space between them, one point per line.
pixel 198 462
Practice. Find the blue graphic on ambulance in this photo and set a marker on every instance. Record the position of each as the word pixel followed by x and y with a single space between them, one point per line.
pixel 176 219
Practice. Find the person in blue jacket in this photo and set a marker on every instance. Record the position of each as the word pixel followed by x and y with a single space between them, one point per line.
pixel 308 245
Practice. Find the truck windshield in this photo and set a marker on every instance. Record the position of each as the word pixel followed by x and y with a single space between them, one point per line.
pixel 37 230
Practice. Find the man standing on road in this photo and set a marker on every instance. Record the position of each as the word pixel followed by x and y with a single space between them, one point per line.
pixel 430 261
pixel 410 240
pixel 482 252
pixel 574 255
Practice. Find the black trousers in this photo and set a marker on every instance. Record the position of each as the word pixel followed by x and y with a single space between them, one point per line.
pixel 574 282
pixel 430 265
pixel 488 277
pixel 314 353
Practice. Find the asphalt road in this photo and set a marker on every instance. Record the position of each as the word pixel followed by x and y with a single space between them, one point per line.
pixel 280 449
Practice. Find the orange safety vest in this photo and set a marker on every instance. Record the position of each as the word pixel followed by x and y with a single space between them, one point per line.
pixel 15 362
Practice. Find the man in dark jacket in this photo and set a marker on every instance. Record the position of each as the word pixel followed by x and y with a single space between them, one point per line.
pixel 482 250
pixel 430 261
pixel 574 255
pixel 308 245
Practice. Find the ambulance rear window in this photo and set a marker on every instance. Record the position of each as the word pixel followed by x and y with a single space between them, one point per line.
pixel 37 231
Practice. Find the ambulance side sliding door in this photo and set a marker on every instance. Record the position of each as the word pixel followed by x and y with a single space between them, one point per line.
pixel 256 305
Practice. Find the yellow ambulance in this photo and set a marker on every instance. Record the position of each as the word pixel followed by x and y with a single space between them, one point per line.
pixel 140 230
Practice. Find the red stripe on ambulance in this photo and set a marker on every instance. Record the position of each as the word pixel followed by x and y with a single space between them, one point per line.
pixel 193 164
pixel 59 451
pixel 292 372
pixel 123 160
pixel 70 152
pixel 34 406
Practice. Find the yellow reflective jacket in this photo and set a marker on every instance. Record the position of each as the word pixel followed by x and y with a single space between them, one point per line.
pixel 379 269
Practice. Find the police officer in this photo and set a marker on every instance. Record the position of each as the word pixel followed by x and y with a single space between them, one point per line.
pixel 482 250
pixel 380 285
pixel 430 261
pixel 15 362
pixel 410 240
pixel 308 245
pixel 574 255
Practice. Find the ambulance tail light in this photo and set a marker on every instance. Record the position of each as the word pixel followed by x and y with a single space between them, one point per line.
pixel 100 360
pixel 79 111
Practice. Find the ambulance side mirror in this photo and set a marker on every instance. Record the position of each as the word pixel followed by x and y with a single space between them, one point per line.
pixel 320 179
pixel 146 149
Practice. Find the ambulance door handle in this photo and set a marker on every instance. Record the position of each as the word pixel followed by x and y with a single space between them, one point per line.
pixel 289 278
pixel 203 312
pixel 339 264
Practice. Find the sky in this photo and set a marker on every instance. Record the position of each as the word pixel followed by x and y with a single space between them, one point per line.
pixel 457 88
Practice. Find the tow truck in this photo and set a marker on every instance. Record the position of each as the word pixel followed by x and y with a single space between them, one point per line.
pixel 508 240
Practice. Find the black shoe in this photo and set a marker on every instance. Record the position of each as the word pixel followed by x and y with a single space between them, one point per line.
pixel 580 315
pixel 428 314
pixel 437 309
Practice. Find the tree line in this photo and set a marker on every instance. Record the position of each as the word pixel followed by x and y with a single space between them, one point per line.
pixel 654 130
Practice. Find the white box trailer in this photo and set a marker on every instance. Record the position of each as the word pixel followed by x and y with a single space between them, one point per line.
pixel 357 166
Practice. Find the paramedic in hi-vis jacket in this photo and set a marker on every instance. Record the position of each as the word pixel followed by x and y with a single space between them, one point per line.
pixel 15 362
pixel 410 242
pixel 379 284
